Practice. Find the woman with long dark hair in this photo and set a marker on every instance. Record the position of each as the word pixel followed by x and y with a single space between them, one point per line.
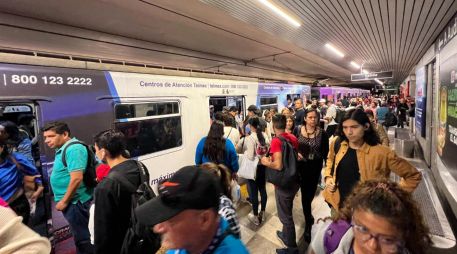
pixel 251 146
pixel 13 167
pixel 357 155
pixel 312 151
pixel 379 217
pixel 215 148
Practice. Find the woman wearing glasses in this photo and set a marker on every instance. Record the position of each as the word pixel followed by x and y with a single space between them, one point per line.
pixel 377 217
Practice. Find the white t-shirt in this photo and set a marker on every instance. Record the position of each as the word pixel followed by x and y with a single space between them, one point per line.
pixel 331 114
pixel 232 134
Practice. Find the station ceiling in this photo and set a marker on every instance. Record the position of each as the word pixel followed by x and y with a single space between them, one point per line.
pixel 239 37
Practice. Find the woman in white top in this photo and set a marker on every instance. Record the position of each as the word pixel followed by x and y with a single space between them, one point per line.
pixel 256 144
pixel 231 133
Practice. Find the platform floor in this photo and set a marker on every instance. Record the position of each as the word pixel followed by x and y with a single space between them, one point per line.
pixel 262 239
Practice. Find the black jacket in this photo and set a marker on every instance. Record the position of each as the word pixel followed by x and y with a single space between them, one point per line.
pixel 299 116
pixel 113 208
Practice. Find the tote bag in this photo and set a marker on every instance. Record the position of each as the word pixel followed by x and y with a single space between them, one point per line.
pixel 247 167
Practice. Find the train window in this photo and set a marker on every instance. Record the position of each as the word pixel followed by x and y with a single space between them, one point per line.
pixel 155 126
pixel 220 102
pixel 125 111
pixel 268 103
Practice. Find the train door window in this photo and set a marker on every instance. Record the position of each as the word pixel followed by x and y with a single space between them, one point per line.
pixel 149 127
pixel 268 102
pixel 219 102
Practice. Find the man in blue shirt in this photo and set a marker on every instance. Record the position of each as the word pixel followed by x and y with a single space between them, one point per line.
pixel 185 214
pixel 71 195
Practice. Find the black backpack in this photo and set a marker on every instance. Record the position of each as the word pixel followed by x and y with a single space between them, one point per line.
pixel 390 120
pixel 286 177
pixel 90 176
pixel 139 238
pixel 339 115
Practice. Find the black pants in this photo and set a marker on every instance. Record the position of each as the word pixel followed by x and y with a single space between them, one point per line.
pixel 309 177
pixel 284 205
pixel 256 186
pixel 21 207
pixel 331 129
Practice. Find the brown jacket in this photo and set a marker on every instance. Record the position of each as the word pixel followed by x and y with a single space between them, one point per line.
pixel 375 162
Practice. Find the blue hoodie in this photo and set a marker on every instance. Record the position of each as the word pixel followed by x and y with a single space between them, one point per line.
pixel 229 245
pixel 231 158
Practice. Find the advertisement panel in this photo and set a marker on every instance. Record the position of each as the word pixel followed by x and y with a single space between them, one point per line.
pixel 421 100
pixel 447 120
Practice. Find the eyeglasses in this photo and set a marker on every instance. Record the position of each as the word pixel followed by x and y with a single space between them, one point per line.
pixel 387 243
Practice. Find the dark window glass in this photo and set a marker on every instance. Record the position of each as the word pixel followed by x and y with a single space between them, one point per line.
pixel 269 107
pixel 268 100
pixel 146 109
pixel 151 135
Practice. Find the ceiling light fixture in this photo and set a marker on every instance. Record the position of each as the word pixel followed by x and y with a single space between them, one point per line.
pixel 365 72
pixel 336 51
pixel 355 65
pixel 280 13
pixel 379 81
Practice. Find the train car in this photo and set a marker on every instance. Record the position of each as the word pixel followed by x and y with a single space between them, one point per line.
pixel 162 117
pixel 276 95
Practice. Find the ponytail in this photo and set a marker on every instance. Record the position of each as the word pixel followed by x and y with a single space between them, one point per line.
pixel 223 174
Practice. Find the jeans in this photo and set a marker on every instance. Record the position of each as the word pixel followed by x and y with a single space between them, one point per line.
pixel 256 186
pixel 284 205
pixel 77 216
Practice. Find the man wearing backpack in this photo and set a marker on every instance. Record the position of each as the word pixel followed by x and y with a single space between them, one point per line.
pixel 113 195
pixel 284 194
pixel 71 195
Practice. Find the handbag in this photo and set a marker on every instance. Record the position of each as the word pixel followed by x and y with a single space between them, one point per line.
pixel 247 167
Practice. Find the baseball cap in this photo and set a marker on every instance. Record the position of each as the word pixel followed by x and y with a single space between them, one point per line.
pixel 322 100
pixel 189 188
pixel 253 108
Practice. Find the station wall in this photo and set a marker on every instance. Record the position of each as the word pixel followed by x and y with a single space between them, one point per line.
pixel 436 111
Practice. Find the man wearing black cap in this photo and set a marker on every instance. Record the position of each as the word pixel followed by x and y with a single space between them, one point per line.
pixel 185 214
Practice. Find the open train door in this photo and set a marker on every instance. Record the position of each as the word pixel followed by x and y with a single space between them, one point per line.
pixel 25 112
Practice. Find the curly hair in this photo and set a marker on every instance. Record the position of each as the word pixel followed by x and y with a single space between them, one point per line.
pixel 388 200
pixel 370 136
pixel 214 148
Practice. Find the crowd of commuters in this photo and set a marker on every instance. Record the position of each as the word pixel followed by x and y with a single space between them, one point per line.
pixel 194 211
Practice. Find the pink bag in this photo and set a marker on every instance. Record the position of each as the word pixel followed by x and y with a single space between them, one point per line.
pixel 3 203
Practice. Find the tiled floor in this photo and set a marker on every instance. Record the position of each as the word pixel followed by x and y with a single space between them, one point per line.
pixel 262 239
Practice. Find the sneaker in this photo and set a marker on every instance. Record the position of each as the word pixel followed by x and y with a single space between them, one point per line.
pixel 280 236
pixel 254 219
pixel 262 216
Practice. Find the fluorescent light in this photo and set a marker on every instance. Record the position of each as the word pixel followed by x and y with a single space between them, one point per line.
pixel 336 51
pixel 355 65
pixel 378 81
pixel 280 13
pixel 365 72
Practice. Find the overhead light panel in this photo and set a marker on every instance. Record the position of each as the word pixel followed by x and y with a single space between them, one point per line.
pixel 355 65
pixel 378 81
pixel 365 72
pixel 336 51
pixel 280 13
